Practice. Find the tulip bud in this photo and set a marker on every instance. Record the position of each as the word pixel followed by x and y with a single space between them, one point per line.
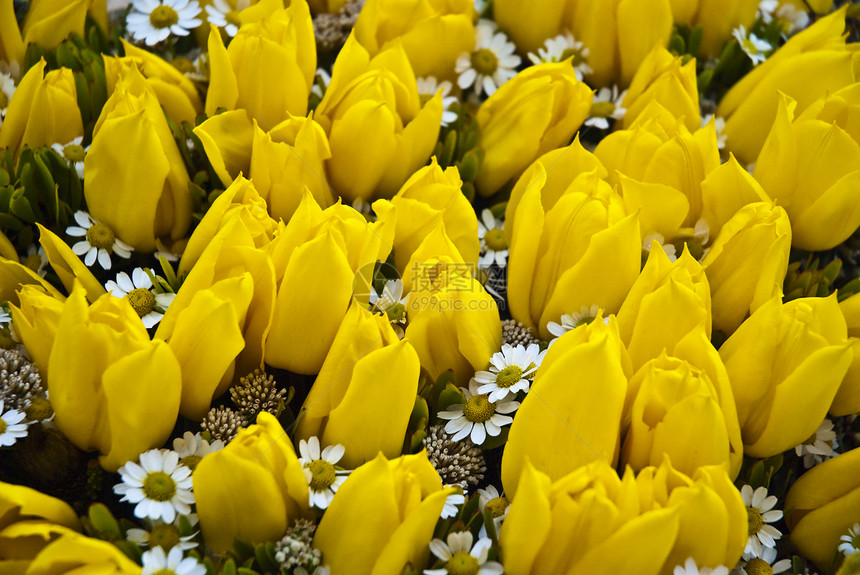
pixel 726 190
pixel 18 502
pixel 58 549
pixel 771 359
pixel 227 139
pixel 847 400
pixel 12 47
pixel 668 80
pixel 36 318
pixel 49 22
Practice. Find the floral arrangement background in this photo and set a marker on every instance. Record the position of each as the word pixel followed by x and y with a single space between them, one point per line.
pixel 429 286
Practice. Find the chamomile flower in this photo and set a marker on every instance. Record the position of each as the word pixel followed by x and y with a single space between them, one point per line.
pixel 720 127
pixel 427 88
pixel 450 508
pixel 796 18
pixel 494 245
pixel 497 504
pixel 478 417
pixel 461 557
pixel 690 568
pixel 492 63
pixel 36 259
pixel 99 241
pixel 754 46
pixel 320 471
pixel 165 535
pixel 762 565
pixel 171 563
pixel 570 321
pixel 766 8
pixel 5 316
pixel 137 289
pixel 159 486
pixel 606 104
pixel 851 542
pixel 321 82
pixel 390 301
pixel 74 153
pixel 511 371
pixel 656 237
pixel 191 448
pixel 152 21
pixel 11 427
pixel 222 15
pixel 561 48
pixel 818 447
pixel 760 512
pixel 7 89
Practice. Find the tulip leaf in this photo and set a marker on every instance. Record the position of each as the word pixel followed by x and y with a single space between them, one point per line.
pixel 797 565
pixel 20 206
pixel 416 440
pixel 104 522
pixel 83 91
pixel 468 166
pixel 243 552
pixel 489 525
pixel 497 441
pixel 46 190
pixel 229 568
pixel 450 395
pixel 409 570
pixel 265 554
pixel 131 550
pixel 756 475
pixel 8 222
pixel 246 571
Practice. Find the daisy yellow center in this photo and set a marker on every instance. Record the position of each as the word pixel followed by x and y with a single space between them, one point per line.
pixel 749 47
pixel 163 17
pixel 190 461
pixel 576 53
pixel 232 17
pixel 484 61
pixel 2 427
pixel 100 236
pixel 461 563
pixel 479 409
pixel 165 572
pixel 322 474
pixel 165 536
pixel 159 486
pixel 755 520
pixel 495 239
pixel 74 153
pixel 758 566
pixel 694 246
pixel 396 312
pixel 602 109
pixel 39 409
pixel 509 376
pixel 142 300
pixel 497 506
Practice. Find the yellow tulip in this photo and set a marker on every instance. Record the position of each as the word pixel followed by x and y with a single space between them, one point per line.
pixel 545 105
pixel 316 256
pixel 822 505
pixel 49 22
pixel 68 266
pixel 259 473
pixel 447 24
pixel 12 47
pixel 428 197
pixel 365 391
pixel 668 80
pixel 747 262
pixel 529 24
pixel 241 75
pixel 36 318
pixel 726 190
pixel 771 359
pixel 847 400
pixel 326 6
pixel 717 18
pixel 20 503
pixel 576 524
pixel 55 96
pixel 569 248
pixel 813 62
pixel 149 198
pixel 126 400
pixel 812 168
pixel 378 131
pixel 288 159
pixel 573 413
pixel 382 518
pixel 13 275
pixel 227 139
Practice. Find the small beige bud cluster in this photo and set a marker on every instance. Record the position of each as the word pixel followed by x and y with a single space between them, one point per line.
pixel 457 462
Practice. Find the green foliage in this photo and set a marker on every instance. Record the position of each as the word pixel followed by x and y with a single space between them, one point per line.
pixel 807 279
pixel 458 146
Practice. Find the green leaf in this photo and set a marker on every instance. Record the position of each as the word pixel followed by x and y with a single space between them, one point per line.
pixel 229 568
pixel 21 207
pixel 104 522
pixel 246 571
pixel 757 475
pixel 450 395
pixel 695 40
pixel 46 188
pixel 468 166
pixel 489 525
pixel 265 555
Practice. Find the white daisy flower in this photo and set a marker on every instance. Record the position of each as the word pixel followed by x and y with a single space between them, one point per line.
pixel 36 259
pixel 796 18
pixel 511 371
pixel 851 542
pixel 137 289
pixel 478 417
pixel 570 321
pixel 690 568
pixel 427 88
pixel 157 561
pixel 763 564
pixel 766 8
pixel 459 558
pixel 667 247
pixel 191 448
pixel 606 104
pixel 451 502
pixel 159 486
pixel 222 15
pixel 819 447
pixel 720 127
pixel 7 89
pixel 319 470
pixel 498 505
pixel 754 46
pixel 494 245
pixel 99 241
pixel 165 535
pixel 480 6
pixel 5 315
pixel 11 427
pixel 492 63
pixel 561 48
pixel 74 153
pixel 324 78
pixel 760 512
pixel 390 301
pixel 152 21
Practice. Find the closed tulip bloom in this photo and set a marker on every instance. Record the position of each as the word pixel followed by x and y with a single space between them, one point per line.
pixel 822 505
pixel 668 80
pixel 771 359
pixel 260 474
pixel 530 24
pixel 725 190
pixel 747 262
pixel 36 317
pixel 811 167
pixel 717 18
pixel 12 47
pixel 49 22
pixel 378 131
pixel 382 517
pixel 227 139
pixel 128 400
pixel 447 24
pixel 364 394
pixel 241 74
pixel 18 503
pixel 58 549
pixel 847 400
